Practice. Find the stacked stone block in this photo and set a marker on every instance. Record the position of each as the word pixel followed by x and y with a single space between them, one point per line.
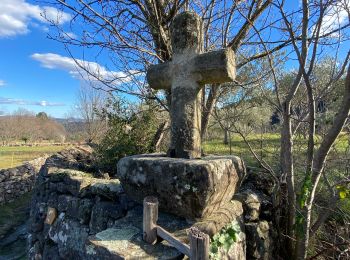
pixel 17 181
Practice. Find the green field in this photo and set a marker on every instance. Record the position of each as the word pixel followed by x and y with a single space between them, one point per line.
pixel 16 155
pixel 267 146
pixel 263 144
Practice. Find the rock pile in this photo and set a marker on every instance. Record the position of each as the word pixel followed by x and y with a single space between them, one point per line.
pixel 256 196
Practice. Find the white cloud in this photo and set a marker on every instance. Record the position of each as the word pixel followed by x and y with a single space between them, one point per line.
pixel 55 61
pixel 2 83
pixel 42 103
pixel 70 35
pixel 16 15
pixel 335 17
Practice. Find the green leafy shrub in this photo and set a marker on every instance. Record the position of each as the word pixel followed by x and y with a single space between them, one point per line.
pixel 130 131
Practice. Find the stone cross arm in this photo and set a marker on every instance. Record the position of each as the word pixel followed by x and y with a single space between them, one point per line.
pixel 211 67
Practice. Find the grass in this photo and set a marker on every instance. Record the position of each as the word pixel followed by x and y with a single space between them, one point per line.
pixel 267 146
pixel 16 155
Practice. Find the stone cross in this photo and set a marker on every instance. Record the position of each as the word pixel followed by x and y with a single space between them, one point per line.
pixel 186 74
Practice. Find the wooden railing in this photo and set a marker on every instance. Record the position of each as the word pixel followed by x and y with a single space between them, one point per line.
pixel 199 241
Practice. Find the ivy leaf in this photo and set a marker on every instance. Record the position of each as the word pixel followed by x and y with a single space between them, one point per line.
pixel 227 244
pixel 214 249
pixel 231 232
pixel 342 194
pixel 222 239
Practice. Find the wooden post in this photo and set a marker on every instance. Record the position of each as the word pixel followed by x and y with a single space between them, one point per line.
pixel 199 241
pixel 150 217
pixel 199 244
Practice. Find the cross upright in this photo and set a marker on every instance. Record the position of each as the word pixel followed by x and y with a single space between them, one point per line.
pixel 186 74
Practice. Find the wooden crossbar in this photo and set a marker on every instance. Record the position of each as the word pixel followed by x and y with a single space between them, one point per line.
pixel 182 247
pixel 199 241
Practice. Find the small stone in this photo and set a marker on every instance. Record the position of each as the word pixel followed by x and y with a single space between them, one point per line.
pixel 51 215
pixel 251 204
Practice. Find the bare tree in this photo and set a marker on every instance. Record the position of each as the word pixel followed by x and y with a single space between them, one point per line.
pixel 89 102
pixel 308 37
pixel 136 34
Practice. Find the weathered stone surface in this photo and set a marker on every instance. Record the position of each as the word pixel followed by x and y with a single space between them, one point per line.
pixel 78 158
pixel 186 74
pixel 127 243
pixel 67 203
pixel 256 196
pixel 251 204
pixel 259 181
pixel 258 187
pixel 188 188
pixel 102 212
pixel 84 211
pixel 70 237
pixel 88 200
pixel 75 194
pixel 124 240
pixel 110 189
pixel 258 240
pixel 228 212
pixel 82 184
pixel 51 252
pixel 237 251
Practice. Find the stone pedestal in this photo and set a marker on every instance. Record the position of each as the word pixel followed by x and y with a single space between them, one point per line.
pixel 188 188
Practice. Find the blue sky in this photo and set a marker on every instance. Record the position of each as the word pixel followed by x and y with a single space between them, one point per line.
pixel 36 73
pixel 24 82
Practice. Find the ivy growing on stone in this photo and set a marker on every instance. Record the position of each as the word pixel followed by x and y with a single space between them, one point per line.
pixel 224 240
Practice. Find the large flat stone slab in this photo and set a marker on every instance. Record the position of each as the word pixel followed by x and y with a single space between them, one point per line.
pixel 191 188
pixel 124 239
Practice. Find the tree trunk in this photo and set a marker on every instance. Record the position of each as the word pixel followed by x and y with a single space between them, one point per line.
pixel 288 172
pixel 303 233
pixel 158 137
pixel 319 162
pixel 208 109
pixel 225 136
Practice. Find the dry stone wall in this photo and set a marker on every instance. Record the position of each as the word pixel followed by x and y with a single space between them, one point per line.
pixel 69 203
pixel 79 213
pixel 17 181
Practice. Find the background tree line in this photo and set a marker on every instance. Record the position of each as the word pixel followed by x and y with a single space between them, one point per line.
pixel 27 127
